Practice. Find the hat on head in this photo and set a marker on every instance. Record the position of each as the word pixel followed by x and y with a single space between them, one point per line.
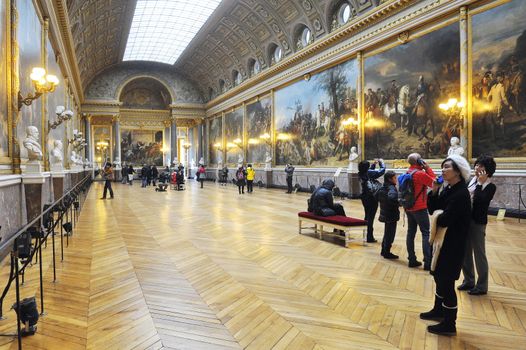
pixel 463 165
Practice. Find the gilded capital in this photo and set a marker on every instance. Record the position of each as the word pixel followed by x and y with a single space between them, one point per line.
pixel 463 13
pixel 167 123
pixel 116 118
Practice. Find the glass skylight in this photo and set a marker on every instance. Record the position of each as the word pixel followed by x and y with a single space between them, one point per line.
pixel 162 29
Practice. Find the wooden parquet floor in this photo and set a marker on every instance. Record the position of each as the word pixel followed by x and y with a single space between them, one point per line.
pixel 211 269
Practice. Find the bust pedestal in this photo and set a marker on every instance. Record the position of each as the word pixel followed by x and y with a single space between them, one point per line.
pixel 268 178
pixel 354 185
pixel 33 179
pixel 57 176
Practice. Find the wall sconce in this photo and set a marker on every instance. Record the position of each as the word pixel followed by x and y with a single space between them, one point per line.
pixel 78 141
pixel 238 142
pixel 284 137
pixel 42 82
pixel 63 115
pixel 187 145
pixel 253 141
pixel 218 146
pixel 350 121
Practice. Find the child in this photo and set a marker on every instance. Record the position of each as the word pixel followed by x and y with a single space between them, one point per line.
pixel 387 196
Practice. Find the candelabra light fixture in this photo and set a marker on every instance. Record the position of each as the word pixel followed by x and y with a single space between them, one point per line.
pixel 63 115
pixel 218 146
pixel 42 83
pixel 78 142
pixel 266 138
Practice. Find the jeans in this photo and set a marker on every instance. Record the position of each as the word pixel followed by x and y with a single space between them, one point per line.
pixel 144 182
pixel 389 236
pixel 420 218
pixel 250 186
pixel 370 206
pixel 107 186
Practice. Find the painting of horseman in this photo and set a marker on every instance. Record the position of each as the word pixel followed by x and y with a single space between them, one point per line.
pixel 403 87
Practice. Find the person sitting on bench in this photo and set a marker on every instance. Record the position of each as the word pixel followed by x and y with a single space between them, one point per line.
pixel 322 203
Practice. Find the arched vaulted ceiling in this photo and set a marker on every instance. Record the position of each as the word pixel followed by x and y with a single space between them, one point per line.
pixel 237 32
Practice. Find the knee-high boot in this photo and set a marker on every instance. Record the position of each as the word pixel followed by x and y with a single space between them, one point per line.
pixel 448 325
pixel 437 312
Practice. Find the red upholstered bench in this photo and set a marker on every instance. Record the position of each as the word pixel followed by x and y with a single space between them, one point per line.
pixel 338 222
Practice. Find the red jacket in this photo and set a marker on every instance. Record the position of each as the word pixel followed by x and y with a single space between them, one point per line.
pixel 422 179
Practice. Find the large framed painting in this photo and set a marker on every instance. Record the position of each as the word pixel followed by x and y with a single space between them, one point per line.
pixel 57 98
pixel 259 119
pixel 404 87
pixel 29 43
pixel 316 119
pixel 4 125
pixel 139 147
pixel 215 140
pixel 234 136
pixel 499 84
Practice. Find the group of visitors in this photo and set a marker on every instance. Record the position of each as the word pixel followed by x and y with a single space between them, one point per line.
pixel 245 176
pixel 149 175
pixel 451 212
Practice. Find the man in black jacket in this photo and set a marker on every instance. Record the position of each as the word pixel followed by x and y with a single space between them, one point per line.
pixel 322 202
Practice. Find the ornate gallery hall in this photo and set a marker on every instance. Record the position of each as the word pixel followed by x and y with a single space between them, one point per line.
pixel 231 174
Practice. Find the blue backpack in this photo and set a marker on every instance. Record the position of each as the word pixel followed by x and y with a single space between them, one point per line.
pixel 406 190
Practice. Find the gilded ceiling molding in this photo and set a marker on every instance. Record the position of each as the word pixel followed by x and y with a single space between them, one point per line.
pixel 342 49
pixel 352 28
pixel 57 12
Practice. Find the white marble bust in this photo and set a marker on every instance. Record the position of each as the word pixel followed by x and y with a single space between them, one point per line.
pixel 354 159
pixel 202 161
pixel 239 160
pixel 57 152
pixel 34 151
pixel 268 161
pixel 192 164
pixel 455 148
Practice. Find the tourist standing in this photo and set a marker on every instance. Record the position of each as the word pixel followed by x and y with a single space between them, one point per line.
pixel 131 171
pixel 107 175
pixel 482 191
pixel 452 197
pixel 241 176
pixel 422 176
pixel 144 175
pixel 387 197
pixel 368 179
pixel 155 174
pixel 124 174
pixel 202 174
pixel 289 170
pixel 251 174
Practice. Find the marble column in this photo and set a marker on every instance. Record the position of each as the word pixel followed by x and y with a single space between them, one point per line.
pixel 173 139
pixel 166 142
pixel 199 141
pixel 464 76
pixel 360 107
pixel 117 138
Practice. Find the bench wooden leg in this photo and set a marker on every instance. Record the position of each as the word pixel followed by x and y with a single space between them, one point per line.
pixel 321 232
pixel 299 227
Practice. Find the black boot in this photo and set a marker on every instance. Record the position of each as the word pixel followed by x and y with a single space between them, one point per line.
pixel 435 314
pixel 448 325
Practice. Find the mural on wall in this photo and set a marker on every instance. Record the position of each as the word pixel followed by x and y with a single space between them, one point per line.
pixel 4 133
pixel 215 140
pixel 259 118
pixel 140 147
pixel 316 121
pixel 234 136
pixel 499 84
pixel 29 32
pixel 57 98
pixel 403 89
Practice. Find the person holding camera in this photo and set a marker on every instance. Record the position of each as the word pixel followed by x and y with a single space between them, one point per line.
pixel 289 170
pixel 387 196
pixel 417 215
pixel 368 175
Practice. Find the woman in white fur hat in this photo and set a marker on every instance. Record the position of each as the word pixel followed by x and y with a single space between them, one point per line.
pixel 453 198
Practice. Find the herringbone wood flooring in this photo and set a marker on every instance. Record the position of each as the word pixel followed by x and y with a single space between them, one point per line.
pixel 211 269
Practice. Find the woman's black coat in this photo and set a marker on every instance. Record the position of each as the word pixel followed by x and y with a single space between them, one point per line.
pixel 456 204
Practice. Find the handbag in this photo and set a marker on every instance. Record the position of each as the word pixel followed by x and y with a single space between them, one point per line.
pixel 130 177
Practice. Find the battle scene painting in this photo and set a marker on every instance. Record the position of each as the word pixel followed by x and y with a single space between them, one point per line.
pixel 499 84
pixel 259 118
pixel 316 119
pixel 403 89
pixel 234 136
pixel 139 147
pixel 215 140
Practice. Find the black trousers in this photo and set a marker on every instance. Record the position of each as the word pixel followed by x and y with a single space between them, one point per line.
pixel 250 186
pixel 370 206
pixel 107 186
pixel 338 208
pixel 389 236
pixel 289 184
pixel 445 288
pixel 241 188
pixel 201 180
